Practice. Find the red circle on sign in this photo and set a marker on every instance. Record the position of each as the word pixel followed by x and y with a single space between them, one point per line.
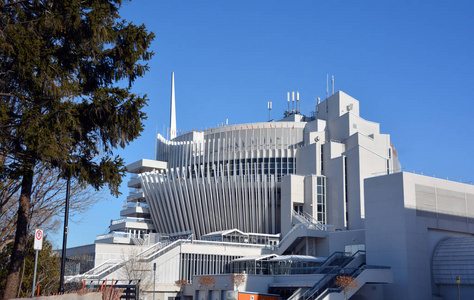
pixel 39 234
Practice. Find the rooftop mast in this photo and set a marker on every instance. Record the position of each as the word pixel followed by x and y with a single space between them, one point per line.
pixel 327 86
pixel 269 110
pixel 332 80
pixel 173 110
pixel 297 102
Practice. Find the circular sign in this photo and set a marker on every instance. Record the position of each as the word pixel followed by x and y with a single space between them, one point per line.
pixel 39 234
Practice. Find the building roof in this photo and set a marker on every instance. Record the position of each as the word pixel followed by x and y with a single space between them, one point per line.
pixel 301 258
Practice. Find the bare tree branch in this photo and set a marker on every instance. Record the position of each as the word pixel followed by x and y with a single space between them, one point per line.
pixel 47 203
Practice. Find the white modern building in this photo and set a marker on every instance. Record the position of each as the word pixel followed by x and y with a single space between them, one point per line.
pixel 292 204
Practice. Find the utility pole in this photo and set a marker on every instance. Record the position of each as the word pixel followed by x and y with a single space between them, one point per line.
pixel 65 232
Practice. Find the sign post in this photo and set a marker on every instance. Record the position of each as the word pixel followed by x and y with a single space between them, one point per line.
pixel 38 245
pixel 458 281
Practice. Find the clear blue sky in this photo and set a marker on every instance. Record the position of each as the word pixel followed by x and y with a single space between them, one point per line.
pixel 409 63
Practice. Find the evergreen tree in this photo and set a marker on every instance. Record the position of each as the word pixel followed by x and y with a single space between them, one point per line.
pixel 62 104
pixel 47 274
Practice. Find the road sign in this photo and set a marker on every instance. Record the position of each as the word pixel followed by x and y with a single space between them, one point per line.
pixel 38 245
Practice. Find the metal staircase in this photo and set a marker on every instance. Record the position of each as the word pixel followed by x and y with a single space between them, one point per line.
pixel 339 263
pixel 307 226
pixel 304 217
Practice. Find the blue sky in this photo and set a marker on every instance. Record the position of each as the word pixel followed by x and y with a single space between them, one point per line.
pixel 409 63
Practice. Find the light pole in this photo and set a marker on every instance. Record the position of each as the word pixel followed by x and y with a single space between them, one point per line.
pixel 65 232
pixel 154 278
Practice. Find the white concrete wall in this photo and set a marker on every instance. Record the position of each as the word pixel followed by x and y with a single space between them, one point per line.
pixel 307 158
pixel 105 252
pixel 313 129
pixel 388 226
pixel 292 191
pixel 359 125
pixel 337 105
pixel 335 206
pixel 311 195
pixel 338 240
pixel 339 129
pixel 253 283
pixel 224 249
pixel 403 226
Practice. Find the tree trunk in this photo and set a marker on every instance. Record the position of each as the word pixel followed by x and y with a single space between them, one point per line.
pixel 21 278
pixel 21 236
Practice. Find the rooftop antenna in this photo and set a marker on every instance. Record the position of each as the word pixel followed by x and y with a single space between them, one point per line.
pixel 297 102
pixel 173 110
pixel 288 101
pixel 332 80
pixel 269 110
pixel 293 97
pixel 327 85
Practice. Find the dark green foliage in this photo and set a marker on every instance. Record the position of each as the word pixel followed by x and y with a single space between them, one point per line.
pixel 47 274
pixel 61 102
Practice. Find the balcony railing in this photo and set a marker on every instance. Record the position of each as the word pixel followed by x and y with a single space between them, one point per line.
pixel 127 204
pixel 424 174
pixel 130 219
pixel 134 191
pixel 113 234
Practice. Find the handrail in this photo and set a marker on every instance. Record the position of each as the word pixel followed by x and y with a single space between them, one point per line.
pixel 296 294
pixel 131 219
pixel 326 281
pixel 91 271
pixel 295 228
pixel 128 204
pixel 162 250
pixel 461 180
pixel 305 224
pixel 311 218
pixel 146 256
pixel 153 247
pixel 355 274
pixel 113 234
pixel 307 218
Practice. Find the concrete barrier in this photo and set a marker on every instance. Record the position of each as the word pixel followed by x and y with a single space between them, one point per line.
pixel 88 296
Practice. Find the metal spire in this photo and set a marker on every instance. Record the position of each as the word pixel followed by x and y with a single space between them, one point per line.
pixel 173 110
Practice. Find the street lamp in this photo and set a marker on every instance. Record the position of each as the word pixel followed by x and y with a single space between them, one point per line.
pixel 65 232
pixel 154 277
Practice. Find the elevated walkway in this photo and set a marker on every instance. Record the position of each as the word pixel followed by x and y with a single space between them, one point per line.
pixel 159 253
pixel 110 266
